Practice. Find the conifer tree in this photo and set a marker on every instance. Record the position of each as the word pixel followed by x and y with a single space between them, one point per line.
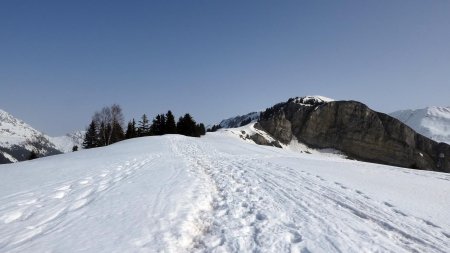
pixel 131 130
pixel 144 128
pixel 171 127
pixel 186 125
pixel 158 126
pixel 214 128
pixel 90 138
pixel 200 130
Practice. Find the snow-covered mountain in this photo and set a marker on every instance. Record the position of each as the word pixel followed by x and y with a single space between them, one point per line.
pixel 311 100
pixel 67 142
pixel 240 120
pixel 218 193
pixel 18 139
pixel 432 122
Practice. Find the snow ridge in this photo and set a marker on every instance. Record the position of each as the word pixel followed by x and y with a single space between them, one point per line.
pixel 67 142
pixel 239 121
pixel 311 100
pixel 432 122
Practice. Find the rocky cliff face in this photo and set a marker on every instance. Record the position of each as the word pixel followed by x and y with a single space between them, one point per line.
pixel 355 129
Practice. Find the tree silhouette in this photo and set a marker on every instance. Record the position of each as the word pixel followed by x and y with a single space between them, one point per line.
pixel 91 137
pixel 144 128
pixel 131 130
pixel 171 127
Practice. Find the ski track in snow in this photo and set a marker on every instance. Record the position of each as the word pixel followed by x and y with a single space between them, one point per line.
pixel 260 206
pixel 50 209
pixel 237 203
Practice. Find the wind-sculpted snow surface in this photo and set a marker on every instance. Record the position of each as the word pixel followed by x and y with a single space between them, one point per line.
pixel 218 194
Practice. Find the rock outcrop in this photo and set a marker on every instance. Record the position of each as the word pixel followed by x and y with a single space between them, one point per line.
pixel 356 130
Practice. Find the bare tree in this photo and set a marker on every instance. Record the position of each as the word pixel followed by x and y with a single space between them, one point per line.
pixel 109 122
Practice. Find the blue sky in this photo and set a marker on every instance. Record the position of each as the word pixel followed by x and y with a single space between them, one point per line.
pixel 62 60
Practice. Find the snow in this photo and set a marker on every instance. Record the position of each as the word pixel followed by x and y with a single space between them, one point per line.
pixel 312 100
pixel 432 122
pixel 244 133
pixel 218 193
pixel 66 143
pixel 14 131
pixel 238 120
pixel 9 157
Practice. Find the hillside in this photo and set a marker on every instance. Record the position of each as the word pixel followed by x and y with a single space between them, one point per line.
pixel 218 193
pixel 18 139
pixel 433 122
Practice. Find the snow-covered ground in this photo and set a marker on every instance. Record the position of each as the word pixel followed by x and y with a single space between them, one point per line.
pixel 432 122
pixel 218 194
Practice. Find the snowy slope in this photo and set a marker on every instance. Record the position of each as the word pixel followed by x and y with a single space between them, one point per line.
pixel 244 133
pixel 432 122
pixel 67 142
pixel 218 194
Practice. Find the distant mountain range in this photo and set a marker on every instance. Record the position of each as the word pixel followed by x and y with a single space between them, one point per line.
pixel 432 122
pixel 18 140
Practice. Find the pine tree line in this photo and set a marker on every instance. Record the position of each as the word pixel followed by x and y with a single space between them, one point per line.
pixel 165 124
pixel 106 127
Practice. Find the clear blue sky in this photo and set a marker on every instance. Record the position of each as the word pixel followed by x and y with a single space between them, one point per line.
pixel 62 60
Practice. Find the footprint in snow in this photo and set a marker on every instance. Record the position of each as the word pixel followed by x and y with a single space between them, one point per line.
pixel 261 216
pixel 64 188
pixel 11 216
pixel 399 212
pixel 295 237
pixel 78 204
pixel 84 182
pixel 388 204
pixel 429 223
pixel 59 195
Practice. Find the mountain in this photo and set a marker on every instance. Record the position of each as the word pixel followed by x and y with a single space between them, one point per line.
pixel 67 142
pixel 242 120
pixel 18 139
pixel 349 127
pixel 432 122
pixel 218 194
pixel 239 121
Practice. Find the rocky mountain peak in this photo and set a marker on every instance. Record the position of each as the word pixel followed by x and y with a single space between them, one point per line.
pixel 356 130
pixel 310 100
